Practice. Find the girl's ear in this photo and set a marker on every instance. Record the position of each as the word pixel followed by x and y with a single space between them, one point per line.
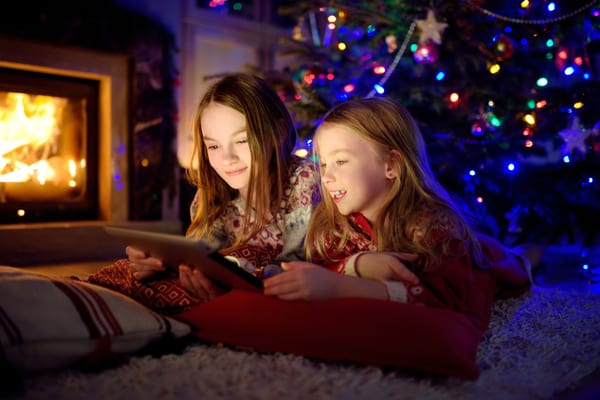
pixel 390 172
pixel 391 165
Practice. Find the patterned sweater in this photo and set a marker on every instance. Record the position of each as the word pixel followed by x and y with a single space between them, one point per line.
pixel 283 238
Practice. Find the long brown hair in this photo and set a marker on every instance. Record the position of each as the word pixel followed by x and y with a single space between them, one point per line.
pixel 392 131
pixel 271 138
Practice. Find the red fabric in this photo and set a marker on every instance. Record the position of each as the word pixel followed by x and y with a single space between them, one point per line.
pixel 511 276
pixel 370 331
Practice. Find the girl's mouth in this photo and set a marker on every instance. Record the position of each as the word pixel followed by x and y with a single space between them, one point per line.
pixel 236 172
pixel 337 195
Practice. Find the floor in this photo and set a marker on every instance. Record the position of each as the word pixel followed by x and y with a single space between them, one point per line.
pixel 570 266
pixel 573 267
pixel 567 266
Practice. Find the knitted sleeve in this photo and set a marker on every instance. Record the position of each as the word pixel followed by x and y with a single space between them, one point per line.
pixel 301 199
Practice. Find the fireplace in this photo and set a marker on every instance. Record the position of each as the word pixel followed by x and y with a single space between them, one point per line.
pixel 90 141
pixel 59 187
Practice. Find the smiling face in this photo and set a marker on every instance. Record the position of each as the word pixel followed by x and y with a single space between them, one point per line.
pixel 356 177
pixel 225 136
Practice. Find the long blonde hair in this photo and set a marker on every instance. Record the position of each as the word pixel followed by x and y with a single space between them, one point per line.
pixel 390 128
pixel 271 138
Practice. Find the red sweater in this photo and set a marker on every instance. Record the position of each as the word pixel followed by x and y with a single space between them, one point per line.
pixel 456 283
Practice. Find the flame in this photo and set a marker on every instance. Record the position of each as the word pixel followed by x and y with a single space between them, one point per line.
pixel 29 131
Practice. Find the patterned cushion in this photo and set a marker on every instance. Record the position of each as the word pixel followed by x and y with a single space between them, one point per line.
pixel 49 322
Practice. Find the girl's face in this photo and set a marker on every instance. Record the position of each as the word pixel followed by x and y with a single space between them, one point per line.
pixel 355 175
pixel 226 141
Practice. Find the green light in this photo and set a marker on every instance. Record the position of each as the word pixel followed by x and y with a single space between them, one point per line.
pixel 542 82
pixel 549 56
pixel 531 104
pixel 549 43
pixel 494 120
pixel 237 6
pixel 413 47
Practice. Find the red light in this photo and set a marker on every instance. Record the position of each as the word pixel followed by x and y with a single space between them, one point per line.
pixel 562 54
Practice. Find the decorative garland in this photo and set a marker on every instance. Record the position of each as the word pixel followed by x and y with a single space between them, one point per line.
pixel 397 58
pixel 532 21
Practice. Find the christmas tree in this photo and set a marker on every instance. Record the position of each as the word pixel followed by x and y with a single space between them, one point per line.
pixel 505 93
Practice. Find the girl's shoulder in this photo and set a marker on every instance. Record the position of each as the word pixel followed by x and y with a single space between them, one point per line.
pixel 303 184
pixel 434 224
pixel 303 172
pixel 304 167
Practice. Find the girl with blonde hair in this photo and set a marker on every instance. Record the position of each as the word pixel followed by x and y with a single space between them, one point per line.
pixel 385 218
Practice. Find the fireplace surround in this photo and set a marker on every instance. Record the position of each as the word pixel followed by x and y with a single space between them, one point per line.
pixel 46 242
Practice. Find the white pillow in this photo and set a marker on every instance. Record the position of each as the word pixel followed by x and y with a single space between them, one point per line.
pixel 49 322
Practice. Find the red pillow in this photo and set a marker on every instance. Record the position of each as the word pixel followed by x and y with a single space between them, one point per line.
pixel 369 331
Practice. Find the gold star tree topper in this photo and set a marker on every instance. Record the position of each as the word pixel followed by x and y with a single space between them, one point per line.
pixel 430 28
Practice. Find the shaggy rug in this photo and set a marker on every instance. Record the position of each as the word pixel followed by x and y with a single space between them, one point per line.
pixel 538 345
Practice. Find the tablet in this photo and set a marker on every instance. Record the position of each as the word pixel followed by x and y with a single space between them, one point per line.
pixel 178 249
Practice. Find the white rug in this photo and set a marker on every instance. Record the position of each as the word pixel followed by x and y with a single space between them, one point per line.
pixel 537 345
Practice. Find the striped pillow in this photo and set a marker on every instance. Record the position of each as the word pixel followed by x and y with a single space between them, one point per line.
pixel 49 322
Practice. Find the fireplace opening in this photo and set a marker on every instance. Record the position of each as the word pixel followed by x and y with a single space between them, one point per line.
pixel 48 147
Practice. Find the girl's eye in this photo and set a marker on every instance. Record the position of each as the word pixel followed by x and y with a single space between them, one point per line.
pixel 212 146
pixel 242 141
pixel 341 162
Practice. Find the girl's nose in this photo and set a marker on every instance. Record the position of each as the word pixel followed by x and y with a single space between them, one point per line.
pixel 327 176
pixel 230 154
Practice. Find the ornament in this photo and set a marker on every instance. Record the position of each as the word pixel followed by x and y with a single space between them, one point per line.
pixel 426 53
pixel 391 42
pixel 504 48
pixel 299 33
pixel 430 28
pixel 574 138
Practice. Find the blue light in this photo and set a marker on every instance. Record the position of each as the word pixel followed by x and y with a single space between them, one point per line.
pixel 379 89
pixel 440 75
pixel 590 180
pixel 511 167
pixel 551 6
pixel 566 159
pixel 472 172
pixel 343 96
pixel 569 71
pixel 586 75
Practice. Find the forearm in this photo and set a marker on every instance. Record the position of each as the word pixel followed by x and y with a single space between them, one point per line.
pixel 351 286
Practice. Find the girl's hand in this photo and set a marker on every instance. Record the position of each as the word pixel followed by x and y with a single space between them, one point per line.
pixel 141 266
pixel 198 284
pixel 386 266
pixel 302 281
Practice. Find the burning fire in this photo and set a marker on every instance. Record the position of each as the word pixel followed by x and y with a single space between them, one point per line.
pixel 30 127
pixel 37 161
